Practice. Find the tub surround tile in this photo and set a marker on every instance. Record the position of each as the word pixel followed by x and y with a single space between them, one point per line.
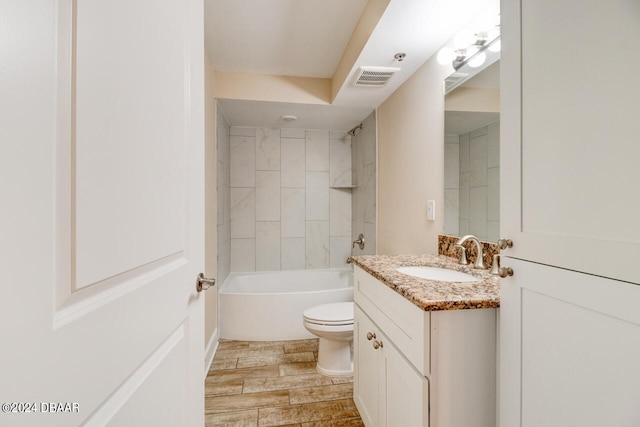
pixel 340 134
pixel 292 133
pixel 339 212
pixel 243 161
pixel 282 175
pixel 243 255
pixel 493 196
pixel 293 163
pixel 493 146
pixel 432 295
pixel 242 131
pixel 478 208
pixel 339 251
pixel 317 150
pixel 267 196
pixel 317 196
pixel 267 149
pixel 267 245
pixel 340 163
pixel 243 212
pixel 317 244
pixel 293 212
pixel 292 255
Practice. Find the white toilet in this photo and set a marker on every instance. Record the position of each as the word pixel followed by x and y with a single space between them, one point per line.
pixel 333 323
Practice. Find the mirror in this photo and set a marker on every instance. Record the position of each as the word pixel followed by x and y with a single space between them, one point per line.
pixel 472 152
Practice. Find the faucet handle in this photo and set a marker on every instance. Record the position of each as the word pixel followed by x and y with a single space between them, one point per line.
pixel 463 255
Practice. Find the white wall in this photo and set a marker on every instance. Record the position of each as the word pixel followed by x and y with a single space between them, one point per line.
pixel 285 210
pixel 411 163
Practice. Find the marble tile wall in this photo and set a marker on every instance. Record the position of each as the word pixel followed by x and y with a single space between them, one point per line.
pixel 472 195
pixel 223 194
pixel 364 194
pixel 289 201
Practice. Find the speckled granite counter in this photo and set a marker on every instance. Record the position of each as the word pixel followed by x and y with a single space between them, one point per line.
pixel 431 295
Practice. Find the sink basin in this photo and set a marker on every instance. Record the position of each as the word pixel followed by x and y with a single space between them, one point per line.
pixel 439 274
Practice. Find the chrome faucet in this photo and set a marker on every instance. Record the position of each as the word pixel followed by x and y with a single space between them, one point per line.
pixel 463 257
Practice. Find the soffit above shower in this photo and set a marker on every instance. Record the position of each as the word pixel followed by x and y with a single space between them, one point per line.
pixel 269 114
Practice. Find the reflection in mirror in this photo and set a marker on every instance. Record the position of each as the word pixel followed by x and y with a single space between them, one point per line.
pixel 472 153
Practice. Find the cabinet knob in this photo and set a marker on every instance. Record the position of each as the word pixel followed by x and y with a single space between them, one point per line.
pixel 505 243
pixel 505 271
pixel 377 344
pixel 370 336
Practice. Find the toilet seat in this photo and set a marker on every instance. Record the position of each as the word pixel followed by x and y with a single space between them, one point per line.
pixel 336 314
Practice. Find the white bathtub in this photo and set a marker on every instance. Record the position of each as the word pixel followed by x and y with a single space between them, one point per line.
pixel 268 306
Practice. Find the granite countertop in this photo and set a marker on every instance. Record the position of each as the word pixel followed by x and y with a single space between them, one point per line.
pixel 432 295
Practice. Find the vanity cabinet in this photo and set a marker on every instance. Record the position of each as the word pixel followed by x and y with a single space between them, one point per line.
pixel 389 390
pixel 421 368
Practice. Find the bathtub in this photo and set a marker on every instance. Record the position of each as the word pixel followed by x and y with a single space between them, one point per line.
pixel 268 306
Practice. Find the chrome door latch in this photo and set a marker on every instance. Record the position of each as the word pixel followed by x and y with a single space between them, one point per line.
pixel 204 283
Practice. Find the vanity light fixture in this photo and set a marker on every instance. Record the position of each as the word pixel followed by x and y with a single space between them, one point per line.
pixel 469 46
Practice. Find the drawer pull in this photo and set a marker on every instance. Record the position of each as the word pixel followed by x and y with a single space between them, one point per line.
pixel 377 344
pixel 370 336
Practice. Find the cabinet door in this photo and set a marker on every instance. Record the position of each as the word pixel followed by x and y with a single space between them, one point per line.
pixel 405 392
pixel 365 388
pixel 569 341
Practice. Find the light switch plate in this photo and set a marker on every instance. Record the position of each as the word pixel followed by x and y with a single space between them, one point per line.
pixel 431 210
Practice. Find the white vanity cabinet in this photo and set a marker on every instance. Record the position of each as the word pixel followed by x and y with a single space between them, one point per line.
pixel 421 368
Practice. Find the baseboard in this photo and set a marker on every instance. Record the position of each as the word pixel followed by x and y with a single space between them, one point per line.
pixel 210 350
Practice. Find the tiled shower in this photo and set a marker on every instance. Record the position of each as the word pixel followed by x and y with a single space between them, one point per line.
pixel 472 183
pixel 285 198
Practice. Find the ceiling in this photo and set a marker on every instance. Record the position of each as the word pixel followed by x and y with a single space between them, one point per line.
pixel 307 38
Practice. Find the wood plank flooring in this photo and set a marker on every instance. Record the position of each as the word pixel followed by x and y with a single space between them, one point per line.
pixel 260 384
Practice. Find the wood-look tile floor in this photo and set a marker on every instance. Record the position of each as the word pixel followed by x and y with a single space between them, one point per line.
pixel 256 383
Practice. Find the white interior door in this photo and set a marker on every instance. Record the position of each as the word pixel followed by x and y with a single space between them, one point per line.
pixel 102 212
pixel 569 130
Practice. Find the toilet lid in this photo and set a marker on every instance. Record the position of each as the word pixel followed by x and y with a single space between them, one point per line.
pixel 339 313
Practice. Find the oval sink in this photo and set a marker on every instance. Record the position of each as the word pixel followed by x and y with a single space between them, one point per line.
pixel 439 274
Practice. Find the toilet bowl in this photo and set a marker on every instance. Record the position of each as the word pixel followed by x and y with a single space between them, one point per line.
pixel 333 324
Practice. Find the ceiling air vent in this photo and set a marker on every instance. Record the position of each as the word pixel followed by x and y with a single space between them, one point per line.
pixel 374 76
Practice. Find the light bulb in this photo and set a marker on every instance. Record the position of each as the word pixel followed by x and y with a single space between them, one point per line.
pixel 445 56
pixel 477 60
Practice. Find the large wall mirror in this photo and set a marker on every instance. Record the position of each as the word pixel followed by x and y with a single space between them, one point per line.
pixel 472 151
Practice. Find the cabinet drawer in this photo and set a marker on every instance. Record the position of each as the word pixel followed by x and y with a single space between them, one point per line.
pixel 402 322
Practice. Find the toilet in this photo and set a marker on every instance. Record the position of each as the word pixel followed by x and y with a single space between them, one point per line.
pixel 333 324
